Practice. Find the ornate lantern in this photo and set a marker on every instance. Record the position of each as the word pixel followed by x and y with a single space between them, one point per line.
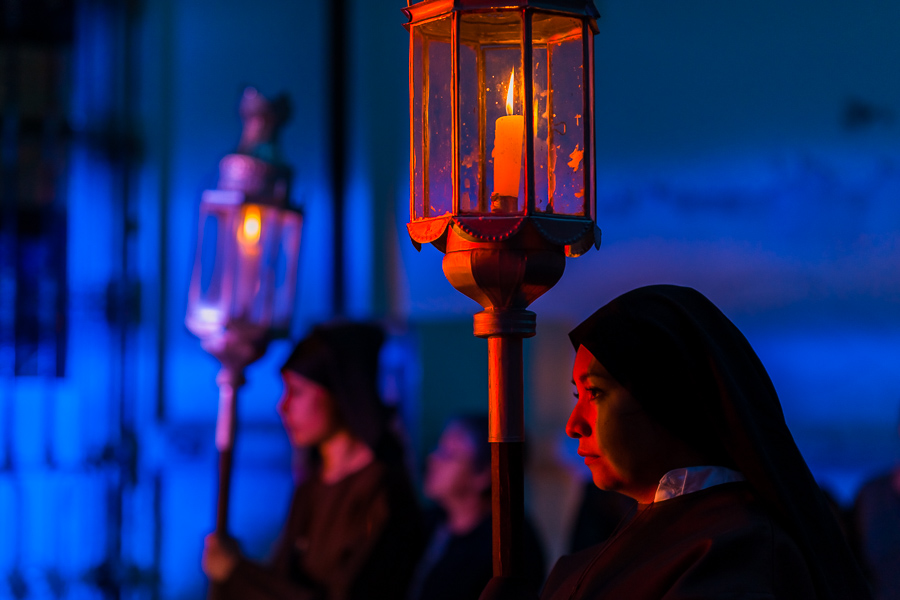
pixel 245 270
pixel 501 103
pixel 502 181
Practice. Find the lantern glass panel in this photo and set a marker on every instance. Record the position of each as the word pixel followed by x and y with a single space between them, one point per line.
pixel 560 135
pixel 285 271
pixel 472 196
pixel 246 267
pixel 266 272
pixel 210 290
pixel 417 150
pixel 491 142
pixel 209 298
pixel 253 233
pixel 436 116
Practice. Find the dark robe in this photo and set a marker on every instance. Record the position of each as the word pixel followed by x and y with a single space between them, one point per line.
pixel 599 515
pixel 356 539
pixel 716 543
pixel 458 567
pixel 877 523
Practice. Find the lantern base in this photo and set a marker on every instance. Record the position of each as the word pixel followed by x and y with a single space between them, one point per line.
pixel 237 345
pixel 504 275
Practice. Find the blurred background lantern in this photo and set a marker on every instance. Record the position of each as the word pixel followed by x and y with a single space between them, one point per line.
pixel 245 270
pixel 502 180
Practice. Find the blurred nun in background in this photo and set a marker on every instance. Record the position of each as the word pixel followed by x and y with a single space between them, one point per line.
pixel 354 529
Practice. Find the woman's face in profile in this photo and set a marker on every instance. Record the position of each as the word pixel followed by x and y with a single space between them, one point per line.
pixel 307 411
pixel 623 448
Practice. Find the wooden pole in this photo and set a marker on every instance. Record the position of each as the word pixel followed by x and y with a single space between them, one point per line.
pixel 505 276
pixel 229 380
pixel 226 429
pixel 506 402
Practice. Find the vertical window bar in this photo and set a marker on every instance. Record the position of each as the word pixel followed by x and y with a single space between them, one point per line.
pixel 482 130
pixel 551 153
pixel 412 125
pixel 528 102
pixel 454 108
pixel 587 84
pixel 426 97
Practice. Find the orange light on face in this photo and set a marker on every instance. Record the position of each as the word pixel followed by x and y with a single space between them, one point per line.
pixel 252 226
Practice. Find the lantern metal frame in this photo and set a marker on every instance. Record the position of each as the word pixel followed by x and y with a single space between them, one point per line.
pixel 575 233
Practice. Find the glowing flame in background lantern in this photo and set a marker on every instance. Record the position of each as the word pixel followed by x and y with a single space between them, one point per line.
pixel 252 226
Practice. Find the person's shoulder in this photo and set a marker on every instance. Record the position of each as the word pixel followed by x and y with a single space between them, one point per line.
pixel 729 512
pixel 726 518
pixel 877 496
pixel 726 502
pixel 877 485
pixel 714 541
pixel 388 475
pixel 731 522
pixel 388 482
pixel 579 559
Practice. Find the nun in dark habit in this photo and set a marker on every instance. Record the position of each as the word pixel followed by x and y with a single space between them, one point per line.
pixel 354 529
pixel 675 410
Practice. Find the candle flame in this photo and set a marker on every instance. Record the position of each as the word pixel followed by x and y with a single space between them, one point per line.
pixel 509 93
pixel 252 225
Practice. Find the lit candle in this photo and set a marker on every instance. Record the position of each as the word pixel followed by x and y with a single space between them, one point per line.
pixel 248 234
pixel 509 134
pixel 249 231
pixel 248 277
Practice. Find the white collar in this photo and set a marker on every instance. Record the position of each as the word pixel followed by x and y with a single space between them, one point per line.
pixel 679 482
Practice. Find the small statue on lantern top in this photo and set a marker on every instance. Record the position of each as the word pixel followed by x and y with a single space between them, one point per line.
pixel 263 119
pixel 257 168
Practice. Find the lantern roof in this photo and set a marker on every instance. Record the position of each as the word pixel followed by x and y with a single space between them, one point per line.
pixel 429 9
